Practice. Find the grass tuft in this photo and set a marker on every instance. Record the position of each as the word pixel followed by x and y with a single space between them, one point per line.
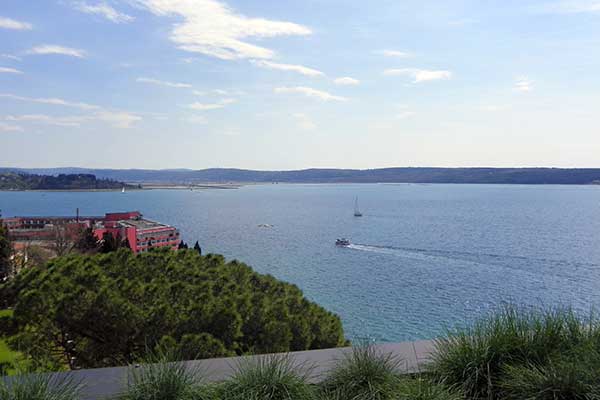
pixel 40 387
pixel 273 377
pixel 161 379
pixel 424 389
pixel 364 374
pixel 475 360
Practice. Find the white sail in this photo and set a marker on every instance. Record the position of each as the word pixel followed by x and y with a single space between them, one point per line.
pixel 357 212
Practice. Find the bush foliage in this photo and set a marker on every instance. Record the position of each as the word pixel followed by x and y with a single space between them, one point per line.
pixel 100 310
pixel 523 354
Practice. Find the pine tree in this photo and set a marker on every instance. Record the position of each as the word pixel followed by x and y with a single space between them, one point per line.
pixel 198 248
pixel 87 241
pixel 5 252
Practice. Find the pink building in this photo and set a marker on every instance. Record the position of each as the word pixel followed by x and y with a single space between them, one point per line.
pixel 141 233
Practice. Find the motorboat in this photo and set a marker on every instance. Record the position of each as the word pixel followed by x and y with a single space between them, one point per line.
pixel 342 242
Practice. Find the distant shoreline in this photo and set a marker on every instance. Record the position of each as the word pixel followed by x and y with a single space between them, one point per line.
pixel 232 177
pixel 234 186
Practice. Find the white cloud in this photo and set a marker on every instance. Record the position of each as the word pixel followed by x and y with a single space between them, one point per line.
pixel 219 92
pixel 11 57
pixel 55 49
pixel 163 83
pixel 493 108
pixel 53 101
pixel 310 92
pixel 419 75
pixel 288 67
pixel 103 10
pixel 304 121
pixel 74 121
pixel 393 53
pixel 197 119
pixel 405 114
pixel 9 71
pixel 7 23
pixel 213 28
pixel 523 84
pixel 572 7
pixel 117 119
pixel 211 106
pixel 346 81
pixel 10 128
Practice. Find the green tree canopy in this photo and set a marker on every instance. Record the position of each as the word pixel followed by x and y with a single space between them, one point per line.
pixel 5 252
pixel 110 309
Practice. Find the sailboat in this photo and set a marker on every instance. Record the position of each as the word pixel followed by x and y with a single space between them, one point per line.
pixel 357 212
pixel 123 190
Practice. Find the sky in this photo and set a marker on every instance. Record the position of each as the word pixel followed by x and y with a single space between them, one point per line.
pixel 281 84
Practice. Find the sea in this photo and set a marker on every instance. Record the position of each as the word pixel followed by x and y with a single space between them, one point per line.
pixel 423 258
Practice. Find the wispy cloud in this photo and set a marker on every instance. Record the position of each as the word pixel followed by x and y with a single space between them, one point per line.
pixel 74 121
pixel 213 28
pixel 288 67
pixel 346 81
pixel 104 10
pixel 310 92
pixel 4 70
pixel 7 23
pixel 197 119
pixel 523 84
pixel 117 119
pixel 218 92
pixel 10 128
pixel 304 122
pixel 58 50
pixel 419 75
pixel 53 101
pixel 163 83
pixel 405 114
pixel 571 7
pixel 393 53
pixel 11 57
pixel 494 108
pixel 211 106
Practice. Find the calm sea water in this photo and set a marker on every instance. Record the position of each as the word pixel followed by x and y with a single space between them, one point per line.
pixel 423 258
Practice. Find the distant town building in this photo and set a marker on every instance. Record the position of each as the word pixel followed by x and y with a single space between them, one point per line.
pixel 141 233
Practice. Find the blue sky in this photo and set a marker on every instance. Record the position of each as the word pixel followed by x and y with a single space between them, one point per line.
pixel 295 84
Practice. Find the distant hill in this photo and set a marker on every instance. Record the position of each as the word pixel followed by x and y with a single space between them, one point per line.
pixel 383 175
pixel 19 180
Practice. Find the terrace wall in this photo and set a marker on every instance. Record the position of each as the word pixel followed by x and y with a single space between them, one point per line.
pixel 106 383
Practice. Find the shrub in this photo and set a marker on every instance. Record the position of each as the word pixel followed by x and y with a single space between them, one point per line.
pixel 272 377
pixel 364 374
pixel 40 387
pixel 475 359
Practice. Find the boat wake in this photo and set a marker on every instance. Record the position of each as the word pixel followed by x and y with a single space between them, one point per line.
pixel 559 267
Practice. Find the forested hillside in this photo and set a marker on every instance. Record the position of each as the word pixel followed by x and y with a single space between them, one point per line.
pixel 563 176
pixel 23 181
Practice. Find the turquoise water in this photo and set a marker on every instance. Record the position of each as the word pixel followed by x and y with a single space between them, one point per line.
pixel 423 258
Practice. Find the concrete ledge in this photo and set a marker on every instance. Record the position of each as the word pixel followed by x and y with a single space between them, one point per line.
pixel 105 383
